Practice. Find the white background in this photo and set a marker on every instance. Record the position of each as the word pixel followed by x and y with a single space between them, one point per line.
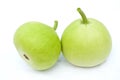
pixel 13 13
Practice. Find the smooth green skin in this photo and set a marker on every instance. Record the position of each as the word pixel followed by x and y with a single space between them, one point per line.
pixel 38 44
pixel 86 44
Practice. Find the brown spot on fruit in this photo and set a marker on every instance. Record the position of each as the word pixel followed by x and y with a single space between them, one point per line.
pixel 26 57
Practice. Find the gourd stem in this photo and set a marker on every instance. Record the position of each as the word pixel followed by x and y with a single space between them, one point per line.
pixel 84 18
pixel 55 24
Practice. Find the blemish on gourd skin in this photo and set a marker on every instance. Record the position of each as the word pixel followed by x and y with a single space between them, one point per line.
pixel 26 57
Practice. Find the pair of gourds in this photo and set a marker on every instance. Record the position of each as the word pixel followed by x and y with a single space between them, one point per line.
pixel 84 43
